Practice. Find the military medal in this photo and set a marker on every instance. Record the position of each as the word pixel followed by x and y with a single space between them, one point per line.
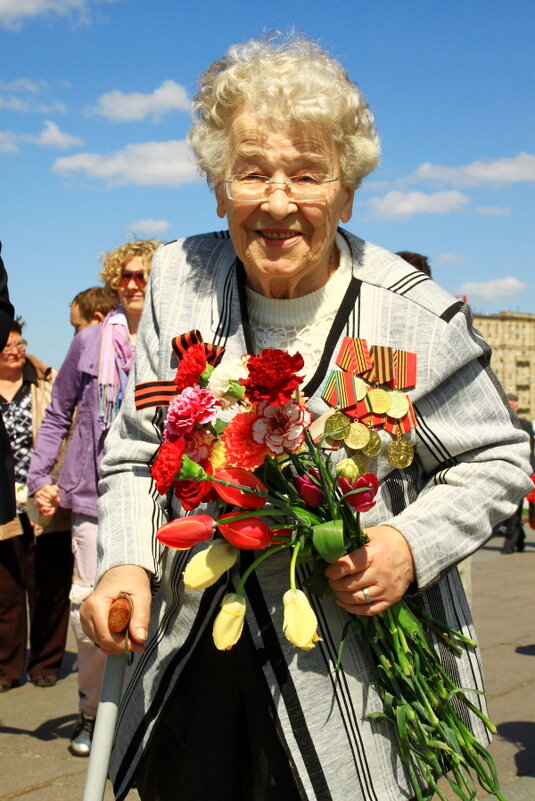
pixel 337 426
pixel 360 462
pixel 399 404
pixel 361 406
pixel 400 453
pixel 373 448
pixel 358 436
pixel 378 400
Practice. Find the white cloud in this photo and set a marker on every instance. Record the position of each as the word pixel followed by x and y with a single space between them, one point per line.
pixel 494 211
pixel 149 226
pixel 499 289
pixel 397 205
pixel 519 169
pixel 52 136
pixel 8 142
pixel 14 13
pixel 30 105
pixel 20 84
pixel 146 164
pixel 449 258
pixel 126 107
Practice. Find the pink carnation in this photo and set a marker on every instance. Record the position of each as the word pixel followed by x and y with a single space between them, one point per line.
pixel 281 428
pixel 194 406
pixel 198 444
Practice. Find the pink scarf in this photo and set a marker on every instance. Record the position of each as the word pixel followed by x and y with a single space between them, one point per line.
pixel 115 360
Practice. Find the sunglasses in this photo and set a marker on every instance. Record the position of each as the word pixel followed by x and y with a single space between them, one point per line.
pixel 137 277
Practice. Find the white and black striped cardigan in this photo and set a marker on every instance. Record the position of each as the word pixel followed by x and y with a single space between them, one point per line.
pixel 470 471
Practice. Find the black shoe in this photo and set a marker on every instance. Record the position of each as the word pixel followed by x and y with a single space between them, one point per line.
pixel 7 684
pixel 45 681
pixel 82 735
pixel 507 550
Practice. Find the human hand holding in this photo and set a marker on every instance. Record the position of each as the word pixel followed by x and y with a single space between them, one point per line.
pixel 384 567
pixel 134 581
pixel 47 499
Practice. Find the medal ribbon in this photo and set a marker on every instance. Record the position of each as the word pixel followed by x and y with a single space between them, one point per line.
pixel 160 393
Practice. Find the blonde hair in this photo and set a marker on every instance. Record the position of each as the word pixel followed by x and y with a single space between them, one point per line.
pixel 289 81
pixel 115 260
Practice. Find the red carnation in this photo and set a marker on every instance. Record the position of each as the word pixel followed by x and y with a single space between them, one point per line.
pixel 240 448
pixel 191 367
pixel 167 464
pixel 272 376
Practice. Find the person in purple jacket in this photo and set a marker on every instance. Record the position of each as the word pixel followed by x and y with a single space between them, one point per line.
pixel 92 382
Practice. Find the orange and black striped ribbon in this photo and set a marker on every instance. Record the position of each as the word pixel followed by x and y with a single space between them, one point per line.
pixel 154 393
pixel 404 369
pixel 354 355
pixel 382 370
pixel 180 344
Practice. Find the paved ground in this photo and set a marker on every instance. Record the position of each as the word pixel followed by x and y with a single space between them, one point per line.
pixel 35 723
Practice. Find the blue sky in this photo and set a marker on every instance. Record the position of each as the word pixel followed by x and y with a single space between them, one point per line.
pixel 94 109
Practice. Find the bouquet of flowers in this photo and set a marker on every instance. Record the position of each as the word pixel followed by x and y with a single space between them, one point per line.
pixel 276 488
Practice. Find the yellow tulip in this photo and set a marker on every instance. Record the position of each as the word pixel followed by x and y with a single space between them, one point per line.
pixel 206 567
pixel 348 469
pixel 300 622
pixel 228 625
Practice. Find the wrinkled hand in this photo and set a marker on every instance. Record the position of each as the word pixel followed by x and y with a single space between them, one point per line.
pixel 47 499
pixel 94 611
pixel 384 567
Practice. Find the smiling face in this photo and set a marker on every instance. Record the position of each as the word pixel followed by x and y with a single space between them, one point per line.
pixel 132 290
pixel 287 248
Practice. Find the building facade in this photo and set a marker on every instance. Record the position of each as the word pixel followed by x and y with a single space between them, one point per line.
pixel 511 336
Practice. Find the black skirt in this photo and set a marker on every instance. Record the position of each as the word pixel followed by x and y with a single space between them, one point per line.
pixel 216 736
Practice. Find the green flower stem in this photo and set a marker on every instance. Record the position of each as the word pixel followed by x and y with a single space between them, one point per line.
pixel 258 561
pixel 293 562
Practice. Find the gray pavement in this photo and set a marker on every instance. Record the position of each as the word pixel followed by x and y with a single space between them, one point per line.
pixel 35 723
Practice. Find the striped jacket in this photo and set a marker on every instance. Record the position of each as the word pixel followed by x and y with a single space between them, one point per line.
pixel 471 470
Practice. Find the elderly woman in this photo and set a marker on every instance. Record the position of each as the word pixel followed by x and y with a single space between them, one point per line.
pixel 35 556
pixel 91 381
pixel 284 138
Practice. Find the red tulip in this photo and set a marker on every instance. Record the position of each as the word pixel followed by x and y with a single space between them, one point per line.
pixel 309 490
pixel 185 532
pixel 249 533
pixel 360 501
pixel 237 475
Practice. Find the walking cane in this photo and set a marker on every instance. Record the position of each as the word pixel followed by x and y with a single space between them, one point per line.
pixel 110 696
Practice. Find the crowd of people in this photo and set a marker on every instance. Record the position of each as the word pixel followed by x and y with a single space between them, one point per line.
pixel 284 137
pixel 56 423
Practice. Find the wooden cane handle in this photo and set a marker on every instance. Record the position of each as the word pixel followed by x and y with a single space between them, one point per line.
pixel 120 613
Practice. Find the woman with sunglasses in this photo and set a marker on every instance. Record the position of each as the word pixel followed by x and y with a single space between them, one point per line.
pixel 92 380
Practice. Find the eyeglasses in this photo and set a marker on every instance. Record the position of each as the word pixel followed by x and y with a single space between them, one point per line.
pixel 138 277
pixel 252 188
pixel 16 347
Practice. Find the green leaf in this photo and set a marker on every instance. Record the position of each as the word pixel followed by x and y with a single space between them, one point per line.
pixel 328 540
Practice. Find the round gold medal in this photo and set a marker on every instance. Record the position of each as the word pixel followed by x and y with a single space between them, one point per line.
pixel 379 400
pixel 361 463
pixel 358 436
pixel 361 388
pixel 400 453
pixel 373 447
pixel 337 426
pixel 399 404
